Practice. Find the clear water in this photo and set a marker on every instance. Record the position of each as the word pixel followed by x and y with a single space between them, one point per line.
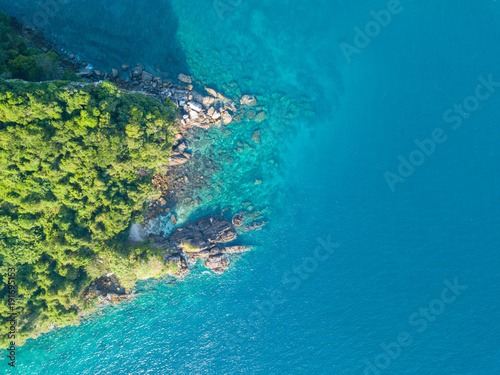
pixel 396 249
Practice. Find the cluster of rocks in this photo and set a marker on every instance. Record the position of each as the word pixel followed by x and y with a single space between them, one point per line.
pixel 201 239
pixel 203 111
pixel 107 289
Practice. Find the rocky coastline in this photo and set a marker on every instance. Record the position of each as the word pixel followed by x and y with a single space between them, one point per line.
pixel 206 238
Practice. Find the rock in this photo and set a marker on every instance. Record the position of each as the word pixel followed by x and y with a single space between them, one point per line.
pixel 136 72
pixel 195 106
pixel 193 115
pixel 72 56
pixel 97 73
pixel 108 284
pixel 261 117
pixel 227 118
pixel 173 219
pixel 238 219
pixel 184 78
pixel 125 67
pixel 178 159
pixel 189 87
pixel 114 73
pixel 85 73
pixel 217 263
pixel 146 77
pixel 211 92
pixel 256 136
pixel 208 101
pixel 44 49
pixel 248 100
pixel 215 115
pixel 233 249
pixel 174 258
pixel 178 136
pixel 182 147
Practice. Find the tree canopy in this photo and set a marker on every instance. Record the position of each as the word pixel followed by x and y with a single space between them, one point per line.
pixel 76 163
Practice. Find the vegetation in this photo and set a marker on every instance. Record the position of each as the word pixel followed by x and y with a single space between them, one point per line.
pixel 76 163
pixel 17 60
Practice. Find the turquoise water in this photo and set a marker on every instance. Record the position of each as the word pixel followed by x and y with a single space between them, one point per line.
pixel 395 251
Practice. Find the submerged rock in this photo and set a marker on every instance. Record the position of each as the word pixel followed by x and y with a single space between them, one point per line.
pixel 248 100
pixel 184 78
pixel 261 117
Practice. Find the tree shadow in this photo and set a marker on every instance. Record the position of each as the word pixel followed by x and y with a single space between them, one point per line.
pixel 110 33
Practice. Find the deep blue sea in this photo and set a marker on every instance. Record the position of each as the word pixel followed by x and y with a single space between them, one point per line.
pixel 381 255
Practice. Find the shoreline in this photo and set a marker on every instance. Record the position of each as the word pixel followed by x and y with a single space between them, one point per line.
pixel 209 239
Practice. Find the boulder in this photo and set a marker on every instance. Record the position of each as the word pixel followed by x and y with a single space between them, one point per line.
pixel 238 219
pixel 136 72
pixel 248 100
pixel 114 73
pixel 226 118
pixel 215 115
pixel 256 136
pixel 217 263
pixel 178 159
pixel 208 101
pixel 146 77
pixel 173 219
pixel 85 73
pixel 125 67
pixel 182 147
pixel 195 106
pixel 184 78
pixel 261 116
pixel 211 92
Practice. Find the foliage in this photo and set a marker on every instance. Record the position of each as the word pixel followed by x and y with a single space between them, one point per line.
pixel 130 263
pixel 17 60
pixel 70 188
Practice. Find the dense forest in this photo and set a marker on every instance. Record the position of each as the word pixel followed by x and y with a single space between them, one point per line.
pixel 76 163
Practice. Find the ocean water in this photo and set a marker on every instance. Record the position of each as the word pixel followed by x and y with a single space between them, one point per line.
pixel 350 276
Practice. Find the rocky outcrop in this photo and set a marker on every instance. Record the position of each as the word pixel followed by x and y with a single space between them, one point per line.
pixel 200 240
pixel 107 289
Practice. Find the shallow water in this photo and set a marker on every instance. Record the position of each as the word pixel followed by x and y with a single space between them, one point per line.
pixel 321 176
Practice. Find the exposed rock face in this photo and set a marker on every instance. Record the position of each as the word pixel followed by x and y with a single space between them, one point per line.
pixel 217 263
pixel 199 240
pixel 107 289
pixel 178 158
